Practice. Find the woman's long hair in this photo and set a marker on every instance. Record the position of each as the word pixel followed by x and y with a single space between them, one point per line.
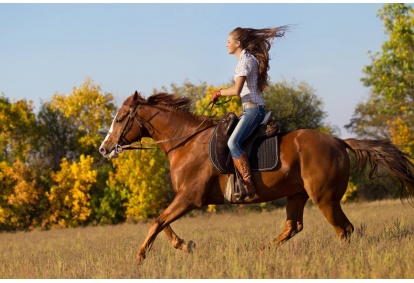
pixel 258 43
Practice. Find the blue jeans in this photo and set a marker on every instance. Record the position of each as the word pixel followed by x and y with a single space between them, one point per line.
pixel 250 119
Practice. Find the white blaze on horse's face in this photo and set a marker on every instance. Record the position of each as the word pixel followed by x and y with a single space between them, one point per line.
pixel 110 130
pixel 102 150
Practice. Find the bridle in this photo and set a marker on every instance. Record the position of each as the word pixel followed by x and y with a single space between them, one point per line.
pixel 132 115
pixel 127 122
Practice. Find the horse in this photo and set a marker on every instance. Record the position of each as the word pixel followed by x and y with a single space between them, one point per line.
pixel 313 165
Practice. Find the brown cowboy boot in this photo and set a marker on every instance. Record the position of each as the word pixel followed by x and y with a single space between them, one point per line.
pixel 243 166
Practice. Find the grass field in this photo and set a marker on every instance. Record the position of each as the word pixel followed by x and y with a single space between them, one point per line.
pixel 227 247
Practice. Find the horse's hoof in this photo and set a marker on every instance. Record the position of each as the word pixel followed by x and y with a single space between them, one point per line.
pixel 139 259
pixel 261 251
pixel 189 247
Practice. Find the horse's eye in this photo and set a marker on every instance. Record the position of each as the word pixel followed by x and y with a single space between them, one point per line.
pixel 121 117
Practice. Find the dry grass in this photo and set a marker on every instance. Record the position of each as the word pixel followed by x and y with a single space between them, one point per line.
pixel 227 243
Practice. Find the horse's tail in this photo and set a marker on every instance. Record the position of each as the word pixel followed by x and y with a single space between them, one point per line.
pixel 382 154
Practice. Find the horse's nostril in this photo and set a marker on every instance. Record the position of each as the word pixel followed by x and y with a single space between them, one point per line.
pixel 102 150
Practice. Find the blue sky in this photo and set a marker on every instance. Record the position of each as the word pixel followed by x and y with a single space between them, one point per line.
pixel 50 48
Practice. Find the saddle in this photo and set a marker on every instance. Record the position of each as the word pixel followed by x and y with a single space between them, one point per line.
pixel 261 146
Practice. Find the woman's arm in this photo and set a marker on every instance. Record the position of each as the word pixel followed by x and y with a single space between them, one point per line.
pixel 235 89
pixel 231 91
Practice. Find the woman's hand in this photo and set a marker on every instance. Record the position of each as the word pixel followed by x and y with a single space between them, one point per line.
pixel 215 96
pixel 231 91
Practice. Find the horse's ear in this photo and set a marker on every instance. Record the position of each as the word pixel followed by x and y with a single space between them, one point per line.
pixel 136 95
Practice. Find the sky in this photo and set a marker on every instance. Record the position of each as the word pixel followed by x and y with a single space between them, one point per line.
pixel 51 48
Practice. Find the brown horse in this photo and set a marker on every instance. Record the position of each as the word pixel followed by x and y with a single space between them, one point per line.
pixel 312 165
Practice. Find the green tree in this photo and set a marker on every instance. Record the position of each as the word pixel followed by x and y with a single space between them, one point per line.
pixel 389 108
pixel 388 111
pixel 188 89
pixel 57 138
pixel 296 106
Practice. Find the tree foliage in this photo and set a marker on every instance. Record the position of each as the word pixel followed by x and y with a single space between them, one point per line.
pixel 88 110
pixel 69 196
pixel 223 105
pixel 296 106
pixel 17 128
pixel 57 137
pixel 402 134
pixel 188 89
pixel 388 112
pixel 139 182
pixel 19 196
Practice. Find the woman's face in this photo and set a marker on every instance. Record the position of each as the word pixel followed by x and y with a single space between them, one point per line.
pixel 232 44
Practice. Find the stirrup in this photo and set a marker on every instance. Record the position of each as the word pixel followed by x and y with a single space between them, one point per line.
pixel 249 197
pixel 244 196
pixel 240 195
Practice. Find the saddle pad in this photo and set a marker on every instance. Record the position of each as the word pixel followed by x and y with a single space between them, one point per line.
pixel 264 155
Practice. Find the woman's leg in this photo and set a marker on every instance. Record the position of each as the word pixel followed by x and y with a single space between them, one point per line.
pixel 249 121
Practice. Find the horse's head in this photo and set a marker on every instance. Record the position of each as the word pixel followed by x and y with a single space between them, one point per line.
pixel 125 129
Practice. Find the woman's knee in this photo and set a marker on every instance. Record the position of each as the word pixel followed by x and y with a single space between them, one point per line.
pixel 235 150
pixel 232 144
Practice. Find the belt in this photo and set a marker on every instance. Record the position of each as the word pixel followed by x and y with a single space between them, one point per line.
pixel 248 105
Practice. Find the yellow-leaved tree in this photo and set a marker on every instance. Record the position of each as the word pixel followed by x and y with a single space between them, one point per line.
pixel 69 196
pixel 222 106
pixel 89 111
pixel 17 129
pixel 401 135
pixel 139 180
pixel 19 196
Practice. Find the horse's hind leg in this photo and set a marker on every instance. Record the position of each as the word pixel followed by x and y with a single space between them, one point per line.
pixel 294 220
pixel 336 217
pixel 177 242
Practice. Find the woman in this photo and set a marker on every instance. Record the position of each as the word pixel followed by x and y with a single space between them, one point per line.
pixel 251 47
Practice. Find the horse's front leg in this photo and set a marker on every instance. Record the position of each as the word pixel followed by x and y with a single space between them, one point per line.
pixel 178 207
pixel 177 242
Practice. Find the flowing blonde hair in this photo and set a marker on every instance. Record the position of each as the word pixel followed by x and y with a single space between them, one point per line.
pixel 258 43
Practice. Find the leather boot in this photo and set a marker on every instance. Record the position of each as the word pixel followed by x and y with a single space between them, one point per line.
pixel 243 166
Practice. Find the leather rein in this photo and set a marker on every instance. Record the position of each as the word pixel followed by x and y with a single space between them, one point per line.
pixel 132 115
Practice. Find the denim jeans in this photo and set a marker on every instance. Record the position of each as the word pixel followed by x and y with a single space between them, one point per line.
pixel 250 119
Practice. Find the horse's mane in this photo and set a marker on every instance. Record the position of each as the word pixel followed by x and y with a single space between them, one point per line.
pixel 181 103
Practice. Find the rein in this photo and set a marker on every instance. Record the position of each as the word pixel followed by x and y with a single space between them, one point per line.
pixel 120 148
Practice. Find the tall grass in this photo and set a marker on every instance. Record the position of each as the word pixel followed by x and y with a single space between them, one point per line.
pixel 227 247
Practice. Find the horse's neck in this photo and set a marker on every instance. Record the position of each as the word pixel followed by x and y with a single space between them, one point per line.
pixel 174 125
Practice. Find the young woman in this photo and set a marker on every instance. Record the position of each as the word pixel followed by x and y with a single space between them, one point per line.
pixel 251 47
